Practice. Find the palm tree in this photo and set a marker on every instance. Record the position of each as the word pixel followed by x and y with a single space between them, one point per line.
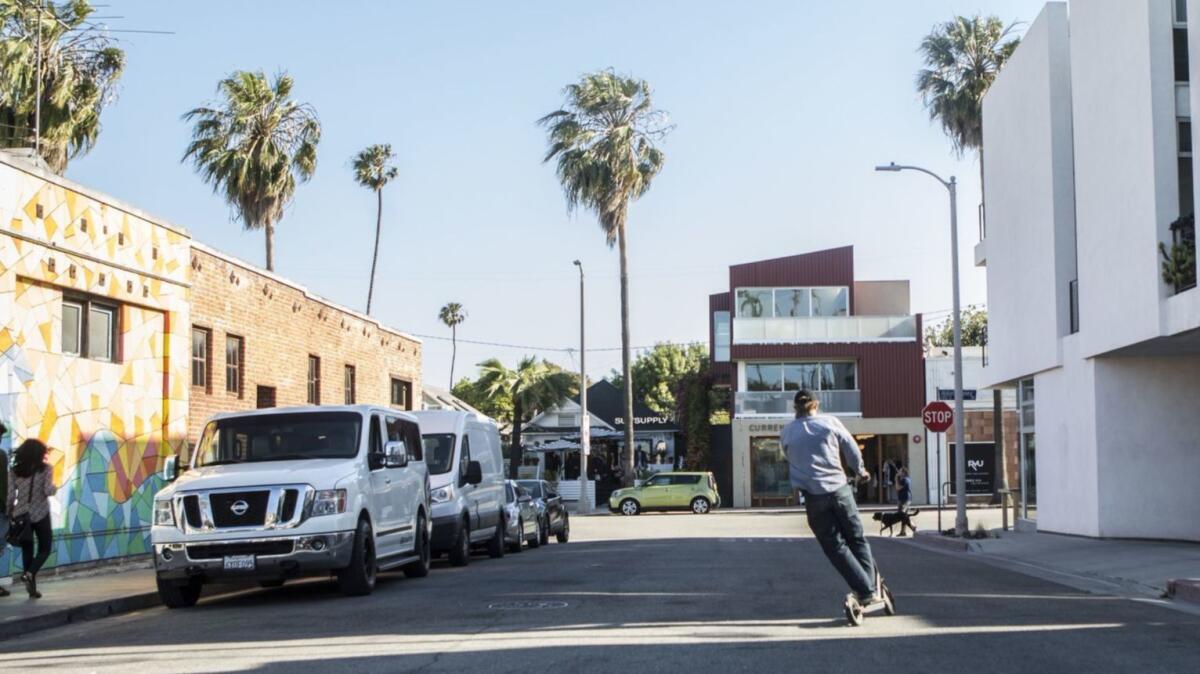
pixel 603 140
pixel 373 170
pixel 962 58
pixel 79 70
pixel 452 314
pixel 535 385
pixel 254 146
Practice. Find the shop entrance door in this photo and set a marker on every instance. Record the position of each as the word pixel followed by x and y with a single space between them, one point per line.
pixel 877 450
pixel 769 481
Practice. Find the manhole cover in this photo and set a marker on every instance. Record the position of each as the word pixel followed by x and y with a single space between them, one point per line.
pixel 527 605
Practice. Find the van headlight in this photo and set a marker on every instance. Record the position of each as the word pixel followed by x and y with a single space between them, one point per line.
pixel 164 513
pixel 329 502
pixel 442 494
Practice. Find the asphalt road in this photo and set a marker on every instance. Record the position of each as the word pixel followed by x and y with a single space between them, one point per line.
pixel 732 591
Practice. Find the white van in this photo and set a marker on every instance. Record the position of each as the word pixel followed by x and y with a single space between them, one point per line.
pixel 466 474
pixel 276 494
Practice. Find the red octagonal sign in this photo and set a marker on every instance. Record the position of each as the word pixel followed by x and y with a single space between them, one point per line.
pixel 937 416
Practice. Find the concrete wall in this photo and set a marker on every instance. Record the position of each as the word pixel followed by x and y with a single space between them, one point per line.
pixel 881 298
pixel 1028 174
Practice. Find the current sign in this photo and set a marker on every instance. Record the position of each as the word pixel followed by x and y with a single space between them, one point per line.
pixel 937 416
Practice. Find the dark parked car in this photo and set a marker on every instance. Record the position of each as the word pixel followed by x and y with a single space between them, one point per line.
pixel 553 517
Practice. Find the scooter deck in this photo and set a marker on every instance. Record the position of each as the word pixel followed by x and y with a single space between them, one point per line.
pixel 855 612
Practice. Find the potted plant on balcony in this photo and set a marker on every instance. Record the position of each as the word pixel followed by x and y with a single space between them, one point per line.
pixel 1179 261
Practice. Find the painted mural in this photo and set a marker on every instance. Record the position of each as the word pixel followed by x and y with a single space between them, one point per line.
pixel 110 423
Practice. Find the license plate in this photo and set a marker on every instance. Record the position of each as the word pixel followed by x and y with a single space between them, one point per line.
pixel 239 563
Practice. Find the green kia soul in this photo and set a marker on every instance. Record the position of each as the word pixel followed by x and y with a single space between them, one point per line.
pixel 696 492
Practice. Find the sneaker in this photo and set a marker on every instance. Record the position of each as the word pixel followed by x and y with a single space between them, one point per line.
pixel 870 599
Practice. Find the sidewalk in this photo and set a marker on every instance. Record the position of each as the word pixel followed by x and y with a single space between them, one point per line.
pixel 75 598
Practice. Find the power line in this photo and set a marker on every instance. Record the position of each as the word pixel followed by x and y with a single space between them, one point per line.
pixel 529 347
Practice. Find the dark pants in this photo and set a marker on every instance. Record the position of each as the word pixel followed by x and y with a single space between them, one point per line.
pixel 834 520
pixel 30 562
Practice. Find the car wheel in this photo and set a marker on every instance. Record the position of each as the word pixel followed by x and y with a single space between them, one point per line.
pixel 420 567
pixel 460 554
pixel 536 541
pixel 175 594
pixel 630 507
pixel 517 546
pixel 544 531
pixel 565 534
pixel 495 546
pixel 358 579
pixel 700 505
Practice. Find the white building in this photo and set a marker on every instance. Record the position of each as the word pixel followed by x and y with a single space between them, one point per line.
pixel 1088 162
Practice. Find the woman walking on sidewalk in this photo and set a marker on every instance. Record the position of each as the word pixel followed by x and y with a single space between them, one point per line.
pixel 30 487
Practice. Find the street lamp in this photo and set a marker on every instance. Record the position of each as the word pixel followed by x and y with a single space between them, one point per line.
pixel 960 456
pixel 585 422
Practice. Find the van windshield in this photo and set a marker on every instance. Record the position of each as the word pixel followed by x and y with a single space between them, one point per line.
pixel 439 452
pixel 279 437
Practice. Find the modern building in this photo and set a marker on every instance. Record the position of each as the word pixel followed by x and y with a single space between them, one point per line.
pixel 805 321
pixel 93 354
pixel 259 340
pixel 1088 172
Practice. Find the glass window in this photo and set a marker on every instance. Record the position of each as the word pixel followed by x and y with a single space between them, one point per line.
pixel 314 380
pixel 401 394
pixel 100 332
pixel 1181 55
pixel 277 437
pixel 376 444
pixel 764 377
pixel 534 487
pixel 1185 186
pixel 72 328
pixel 439 447
pixel 1181 11
pixel 659 481
pixel 233 364
pixel 754 302
pixel 845 376
pixel 792 302
pixel 721 336
pixel 200 357
pixel 685 479
pixel 830 301
pixel 769 472
pixel 348 384
pixel 412 440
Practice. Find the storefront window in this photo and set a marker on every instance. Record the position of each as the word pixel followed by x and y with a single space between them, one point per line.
pixel 770 484
pixel 1025 401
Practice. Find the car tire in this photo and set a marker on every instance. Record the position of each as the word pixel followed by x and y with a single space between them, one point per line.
pixel 460 554
pixel 544 532
pixel 536 541
pixel 420 567
pixel 358 579
pixel 269 584
pixel 176 594
pixel 565 534
pixel 495 546
pixel 701 506
pixel 520 542
pixel 630 507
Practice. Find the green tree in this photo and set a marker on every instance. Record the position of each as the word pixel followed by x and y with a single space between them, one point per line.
pixel 658 372
pixel 373 169
pixel 80 68
pixel 452 315
pixel 533 386
pixel 497 406
pixel 253 146
pixel 604 143
pixel 974 329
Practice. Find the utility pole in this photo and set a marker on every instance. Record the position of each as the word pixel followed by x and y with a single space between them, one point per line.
pixel 585 421
pixel 37 103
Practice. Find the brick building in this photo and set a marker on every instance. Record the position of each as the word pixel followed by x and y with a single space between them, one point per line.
pixel 258 340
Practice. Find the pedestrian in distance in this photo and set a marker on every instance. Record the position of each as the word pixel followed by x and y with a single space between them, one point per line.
pixel 904 489
pixel 819 449
pixel 889 480
pixel 30 486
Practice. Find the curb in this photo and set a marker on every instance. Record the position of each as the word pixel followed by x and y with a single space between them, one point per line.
pixel 941 542
pixel 74 614
pixel 1184 589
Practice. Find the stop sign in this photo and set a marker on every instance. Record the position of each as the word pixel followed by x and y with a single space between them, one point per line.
pixel 937 416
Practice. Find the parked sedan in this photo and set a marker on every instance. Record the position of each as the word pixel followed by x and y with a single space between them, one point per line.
pixel 696 492
pixel 520 518
pixel 551 510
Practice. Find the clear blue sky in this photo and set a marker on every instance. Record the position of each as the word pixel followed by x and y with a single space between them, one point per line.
pixel 782 109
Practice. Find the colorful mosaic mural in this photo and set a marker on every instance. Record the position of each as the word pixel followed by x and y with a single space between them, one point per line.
pixel 112 418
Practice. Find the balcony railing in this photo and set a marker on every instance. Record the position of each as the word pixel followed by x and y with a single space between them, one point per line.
pixel 779 403
pixel 824 329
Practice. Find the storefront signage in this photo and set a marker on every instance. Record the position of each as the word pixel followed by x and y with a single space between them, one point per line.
pixel 643 421
pixel 948 394
pixel 981 467
pixel 766 428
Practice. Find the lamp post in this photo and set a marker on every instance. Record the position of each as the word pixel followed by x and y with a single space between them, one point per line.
pixel 585 422
pixel 960 456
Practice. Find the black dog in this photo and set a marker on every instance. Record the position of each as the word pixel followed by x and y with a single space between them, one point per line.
pixel 889 520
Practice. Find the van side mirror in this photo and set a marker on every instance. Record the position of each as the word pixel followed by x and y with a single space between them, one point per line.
pixel 395 455
pixel 170 469
pixel 474 473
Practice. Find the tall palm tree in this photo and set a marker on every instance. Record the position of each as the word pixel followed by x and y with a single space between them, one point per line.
pixel 373 169
pixel 962 58
pixel 604 142
pixel 253 147
pixel 452 314
pixel 535 385
pixel 79 70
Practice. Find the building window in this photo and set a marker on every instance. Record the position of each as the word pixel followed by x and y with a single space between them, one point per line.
pixel 234 352
pixel 792 302
pixel 754 302
pixel 401 394
pixel 1028 455
pixel 314 380
pixel 348 384
pixel 1073 299
pixel 1184 144
pixel 816 376
pixel 89 329
pixel 721 336
pixel 201 357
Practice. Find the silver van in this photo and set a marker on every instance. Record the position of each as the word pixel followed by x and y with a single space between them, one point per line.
pixel 466 479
